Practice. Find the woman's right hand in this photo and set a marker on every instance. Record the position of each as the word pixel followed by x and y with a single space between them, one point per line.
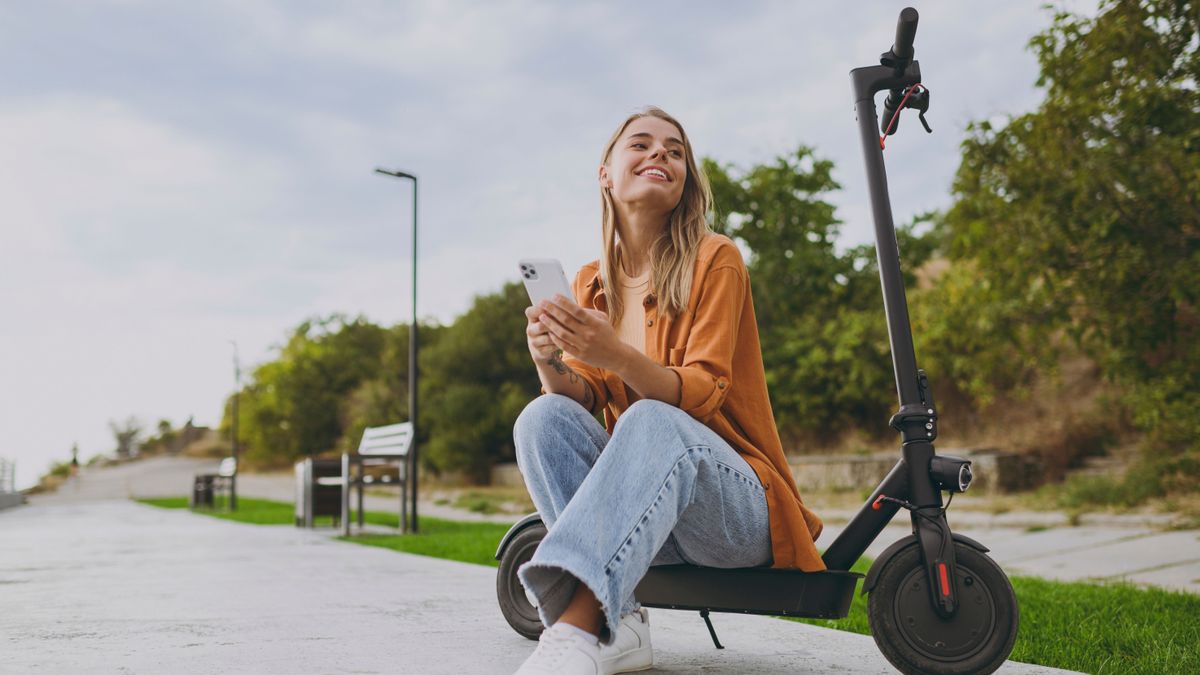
pixel 541 347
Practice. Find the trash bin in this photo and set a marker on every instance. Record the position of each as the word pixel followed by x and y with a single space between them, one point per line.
pixel 202 491
pixel 318 491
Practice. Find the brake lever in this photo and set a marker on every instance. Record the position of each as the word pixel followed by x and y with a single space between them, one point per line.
pixel 919 101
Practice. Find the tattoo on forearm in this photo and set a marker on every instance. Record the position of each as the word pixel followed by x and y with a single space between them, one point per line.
pixel 588 399
pixel 561 368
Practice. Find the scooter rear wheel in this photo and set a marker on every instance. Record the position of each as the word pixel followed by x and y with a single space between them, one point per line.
pixel 514 604
pixel 977 639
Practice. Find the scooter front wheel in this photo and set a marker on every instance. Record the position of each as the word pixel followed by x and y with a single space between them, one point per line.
pixel 514 603
pixel 977 639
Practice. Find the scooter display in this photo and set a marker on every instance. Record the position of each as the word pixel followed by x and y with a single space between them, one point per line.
pixel 936 602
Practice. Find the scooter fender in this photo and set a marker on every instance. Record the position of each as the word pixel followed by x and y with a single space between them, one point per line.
pixel 899 545
pixel 528 521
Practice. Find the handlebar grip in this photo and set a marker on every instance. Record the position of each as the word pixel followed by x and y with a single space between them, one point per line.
pixel 906 30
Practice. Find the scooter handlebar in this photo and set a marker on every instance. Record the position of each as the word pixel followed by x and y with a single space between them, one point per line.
pixel 906 30
pixel 902 52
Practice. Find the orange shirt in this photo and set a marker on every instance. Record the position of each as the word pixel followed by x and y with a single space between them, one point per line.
pixel 714 348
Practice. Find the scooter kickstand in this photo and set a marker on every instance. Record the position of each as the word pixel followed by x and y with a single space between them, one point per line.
pixel 713 633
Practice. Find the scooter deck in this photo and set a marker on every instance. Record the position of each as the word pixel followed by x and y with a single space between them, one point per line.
pixel 749 590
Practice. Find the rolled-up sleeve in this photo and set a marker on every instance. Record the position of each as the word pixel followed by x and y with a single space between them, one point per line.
pixel 706 373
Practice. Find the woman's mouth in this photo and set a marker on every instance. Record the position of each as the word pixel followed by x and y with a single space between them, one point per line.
pixel 654 173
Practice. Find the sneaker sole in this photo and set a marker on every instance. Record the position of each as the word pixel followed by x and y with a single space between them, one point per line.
pixel 630 662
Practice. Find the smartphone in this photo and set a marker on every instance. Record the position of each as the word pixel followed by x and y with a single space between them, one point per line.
pixel 544 278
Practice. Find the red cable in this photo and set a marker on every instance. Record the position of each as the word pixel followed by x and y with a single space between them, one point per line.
pixel 897 113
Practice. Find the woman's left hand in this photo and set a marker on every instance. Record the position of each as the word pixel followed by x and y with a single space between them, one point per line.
pixel 585 333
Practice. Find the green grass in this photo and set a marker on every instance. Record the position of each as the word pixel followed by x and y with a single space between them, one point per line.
pixel 253 511
pixel 453 540
pixel 465 542
pixel 1079 626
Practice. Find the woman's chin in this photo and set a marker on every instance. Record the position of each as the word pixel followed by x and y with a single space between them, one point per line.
pixel 650 200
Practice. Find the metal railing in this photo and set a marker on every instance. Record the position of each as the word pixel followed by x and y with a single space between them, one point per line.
pixel 8 476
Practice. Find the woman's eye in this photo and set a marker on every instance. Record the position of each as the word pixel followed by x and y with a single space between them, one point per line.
pixel 676 153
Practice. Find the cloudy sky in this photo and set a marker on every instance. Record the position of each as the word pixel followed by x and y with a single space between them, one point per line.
pixel 175 175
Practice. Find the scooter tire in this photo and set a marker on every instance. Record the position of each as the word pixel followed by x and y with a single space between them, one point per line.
pixel 977 639
pixel 510 593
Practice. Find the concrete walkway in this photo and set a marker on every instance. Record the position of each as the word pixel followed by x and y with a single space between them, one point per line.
pixel 1104 547
pixel 115 586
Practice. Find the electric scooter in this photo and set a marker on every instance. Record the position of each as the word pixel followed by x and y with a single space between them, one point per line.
pixel 936 602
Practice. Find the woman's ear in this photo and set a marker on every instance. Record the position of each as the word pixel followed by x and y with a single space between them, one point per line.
pixel 605 182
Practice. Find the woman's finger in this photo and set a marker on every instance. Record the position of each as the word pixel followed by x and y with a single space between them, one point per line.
pixel 563 344
pixel 563 312
pixel 554 325
pixel 569 307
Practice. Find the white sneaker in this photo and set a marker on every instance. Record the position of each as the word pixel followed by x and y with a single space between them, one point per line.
pixel 562 650
pixel 631 650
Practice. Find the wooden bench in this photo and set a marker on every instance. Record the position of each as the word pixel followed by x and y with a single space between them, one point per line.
pixel 206 485
pixel 382 458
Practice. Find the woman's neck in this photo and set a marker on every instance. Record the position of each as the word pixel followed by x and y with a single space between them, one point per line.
pixel 638 230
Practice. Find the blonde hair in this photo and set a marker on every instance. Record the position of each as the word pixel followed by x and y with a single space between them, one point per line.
pixel 673 255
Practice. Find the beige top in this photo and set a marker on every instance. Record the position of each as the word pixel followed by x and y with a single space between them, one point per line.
pixel 632 327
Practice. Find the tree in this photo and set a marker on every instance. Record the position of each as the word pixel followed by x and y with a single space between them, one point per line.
pixel 291 407
pixel 475 382
pixel 127 435
pixel 1086 212
pixel 383 399
pixel 820 319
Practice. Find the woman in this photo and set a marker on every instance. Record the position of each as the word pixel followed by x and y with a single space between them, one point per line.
pixel 662 338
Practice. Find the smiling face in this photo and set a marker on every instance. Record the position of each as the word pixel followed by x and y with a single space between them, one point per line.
pixel 647 166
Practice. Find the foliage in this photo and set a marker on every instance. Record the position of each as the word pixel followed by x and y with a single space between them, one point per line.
pixel 163 439
pixel 335 377
pixel 1085 211
pixel 127 435
pixel 383 398
pixel 478 378
pixel 820 318
pixel 291 407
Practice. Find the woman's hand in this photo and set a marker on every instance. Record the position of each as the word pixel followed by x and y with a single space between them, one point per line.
pixel 585 333
pixel 541 347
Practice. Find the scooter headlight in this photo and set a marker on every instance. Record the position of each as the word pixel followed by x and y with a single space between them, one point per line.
pixel 951 473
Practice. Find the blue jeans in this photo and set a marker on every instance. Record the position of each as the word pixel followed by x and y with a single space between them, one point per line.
pixel 664 489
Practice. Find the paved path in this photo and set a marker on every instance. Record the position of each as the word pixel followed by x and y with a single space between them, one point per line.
pixel 115 586
pixel 1105 547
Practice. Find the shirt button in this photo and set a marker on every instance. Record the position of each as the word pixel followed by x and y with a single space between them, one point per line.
pixel 650 322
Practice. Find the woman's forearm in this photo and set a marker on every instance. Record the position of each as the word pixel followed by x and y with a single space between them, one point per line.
pixel 559 378
pixel 649 379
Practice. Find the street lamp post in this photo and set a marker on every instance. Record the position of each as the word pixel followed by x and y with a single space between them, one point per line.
pixel 237 378
pixel 412 344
